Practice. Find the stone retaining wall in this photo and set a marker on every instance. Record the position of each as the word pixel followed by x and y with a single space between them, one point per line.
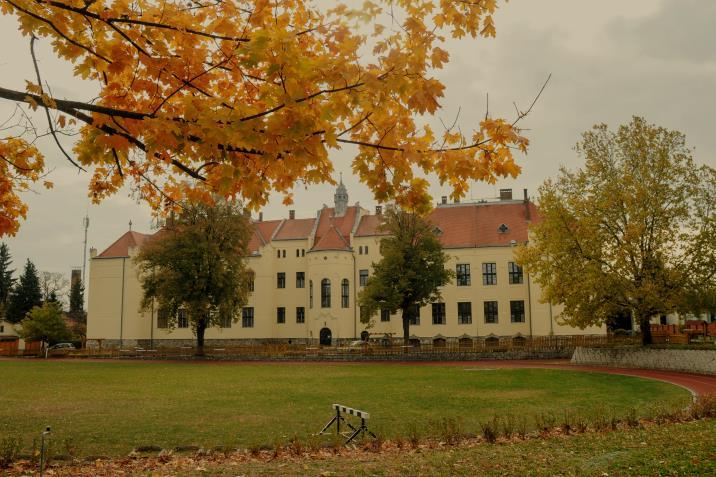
pixel 686 360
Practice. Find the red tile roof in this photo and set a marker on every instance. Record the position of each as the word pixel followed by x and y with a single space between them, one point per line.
pixel 263 231
pixel 472 225
pixel 333 233
pixel 120 248
pixel 461 226
pixel 295 229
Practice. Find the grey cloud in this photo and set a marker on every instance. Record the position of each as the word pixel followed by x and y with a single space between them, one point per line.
pixel 683 30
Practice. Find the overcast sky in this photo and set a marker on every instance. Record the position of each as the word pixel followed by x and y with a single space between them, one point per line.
pixel 609 60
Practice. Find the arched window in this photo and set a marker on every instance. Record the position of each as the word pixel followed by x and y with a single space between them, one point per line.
pixel 310 293
pixel 325 293
pixel 344 293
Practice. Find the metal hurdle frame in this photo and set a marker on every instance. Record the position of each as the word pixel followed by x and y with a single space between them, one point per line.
pixel 356 431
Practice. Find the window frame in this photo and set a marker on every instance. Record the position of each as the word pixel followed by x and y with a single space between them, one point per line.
pixel 515 273
pixel 182 318
pixel 363 278
pixel 439 318
pixel 487 305
pixel 280 279
pixel 281 315
pixel 247 317
pixel 489 273
pixel 464 316
pixel 325 293
pixel 345 293
pixel 300 316
pixel 300 279
pixel 384 315
pixel 515 309
pixel 462 277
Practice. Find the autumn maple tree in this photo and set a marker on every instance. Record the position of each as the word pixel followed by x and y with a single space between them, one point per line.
pixel 239 98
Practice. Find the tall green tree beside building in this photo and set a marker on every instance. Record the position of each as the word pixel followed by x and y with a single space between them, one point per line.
pixel 6 279
pixel 197 265
pixel 411 270
pixel 634 229
pixel 25 295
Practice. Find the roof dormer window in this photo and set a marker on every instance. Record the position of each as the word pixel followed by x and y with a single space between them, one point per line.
pixel 503 229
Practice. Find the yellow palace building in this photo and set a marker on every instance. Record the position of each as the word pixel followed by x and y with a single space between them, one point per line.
pixel 309 271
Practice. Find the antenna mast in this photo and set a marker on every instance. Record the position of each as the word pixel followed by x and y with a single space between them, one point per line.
pixel 85 224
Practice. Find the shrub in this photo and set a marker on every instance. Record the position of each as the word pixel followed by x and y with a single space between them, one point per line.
pixel 703 406
pixel 545 421
pixel 448 429
pixel 490 429
pixel 9 449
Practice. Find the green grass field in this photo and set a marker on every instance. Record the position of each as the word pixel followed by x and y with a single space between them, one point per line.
pixel 110 407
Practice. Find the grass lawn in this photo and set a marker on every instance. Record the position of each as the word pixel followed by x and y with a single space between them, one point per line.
pixel 110 407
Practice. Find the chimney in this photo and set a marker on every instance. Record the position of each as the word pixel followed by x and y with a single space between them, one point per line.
pixel 291 214
pixel 261 216
pixel 443 200
pixel 505 194
pixel 93 252
pixel 527 206
pixel 378 210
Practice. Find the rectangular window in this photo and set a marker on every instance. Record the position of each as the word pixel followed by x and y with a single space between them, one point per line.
pixel 384 315
pixel 490 312
pixel 278 253
pixel 281 315
pixel 247 317
pixel 225 321
pixel 365 250
pixel 251 282
pixel 300 314
pixel 514 272
pixel 345 292
pixel 489 273
pixel 298 252
pixel 463 274
pixel 438 313
pixel 415 318
pixel 182 319
pixel 300 280
pixel 464 313
pixel 517 311
pixel 281 280
pixel 162 319
pixel 363 277
pixel 363 313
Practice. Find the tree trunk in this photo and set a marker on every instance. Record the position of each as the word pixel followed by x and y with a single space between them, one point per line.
pixel 200 329
pixel 645 326
pixel 406 325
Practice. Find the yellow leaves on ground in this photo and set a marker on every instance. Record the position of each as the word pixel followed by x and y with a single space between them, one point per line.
pixel 245 98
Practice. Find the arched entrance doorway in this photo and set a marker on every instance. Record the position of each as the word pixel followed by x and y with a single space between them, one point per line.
pixel 325 337
pixel 364 335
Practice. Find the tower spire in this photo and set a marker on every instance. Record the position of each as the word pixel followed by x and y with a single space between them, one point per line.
pixel 340 198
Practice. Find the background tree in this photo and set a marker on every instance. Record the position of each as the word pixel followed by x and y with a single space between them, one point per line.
pixel 632 229
pixel 25 295
pixel 77 302
pixel 198 264
pixel 240 98
pixel 411 269
pixel 53 285
pixel 6 279
pixel 45 323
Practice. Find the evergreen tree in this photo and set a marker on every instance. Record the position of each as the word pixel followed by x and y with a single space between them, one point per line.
pixel 77 298
pixel 6 280
pixel 25 295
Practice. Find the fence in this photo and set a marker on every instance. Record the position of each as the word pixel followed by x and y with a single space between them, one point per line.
pixel 693 331
pixel 380 348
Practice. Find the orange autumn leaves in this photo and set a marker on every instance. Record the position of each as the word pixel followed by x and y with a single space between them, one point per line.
pixel 242 98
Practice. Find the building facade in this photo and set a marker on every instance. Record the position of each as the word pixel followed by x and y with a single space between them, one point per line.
pixel 308 273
